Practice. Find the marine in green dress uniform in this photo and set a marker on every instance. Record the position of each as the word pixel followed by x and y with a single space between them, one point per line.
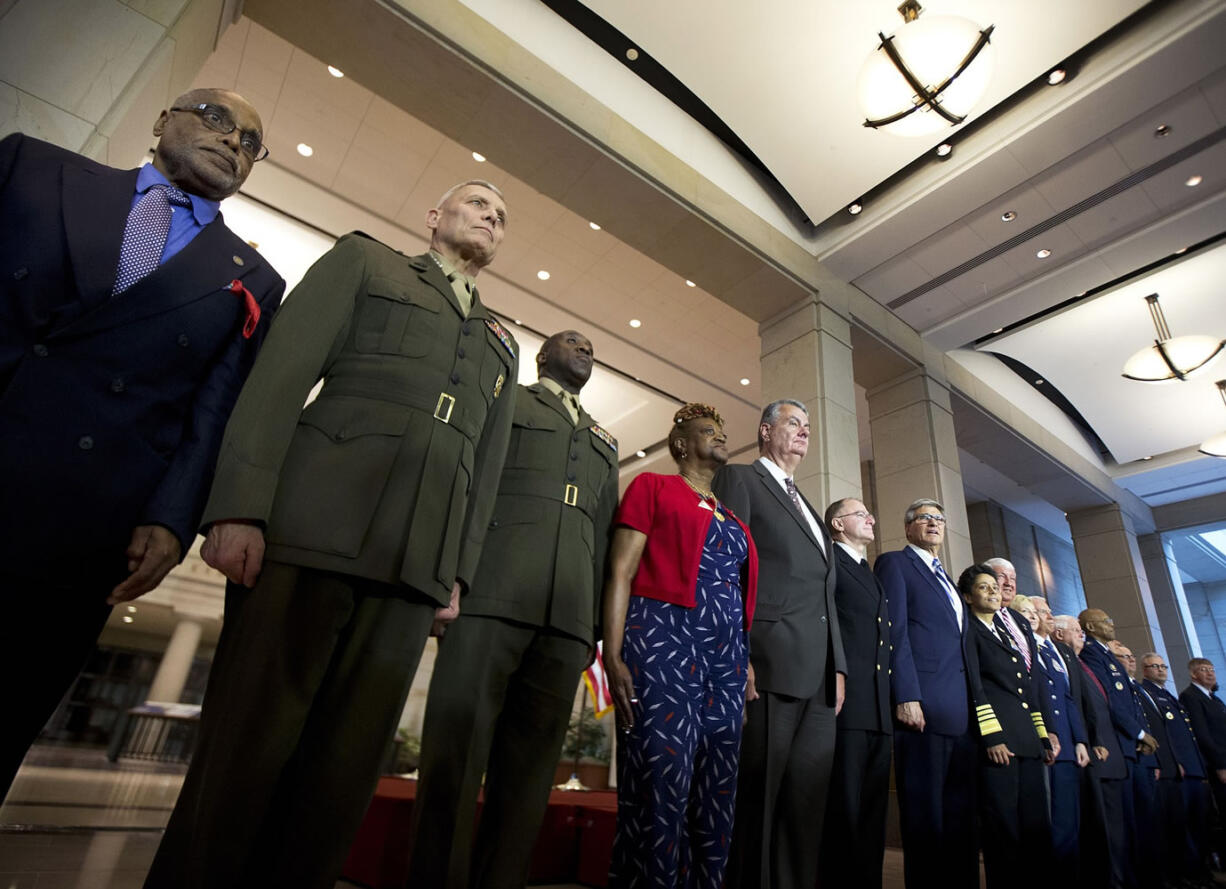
pixel 505 677
pixel 346 528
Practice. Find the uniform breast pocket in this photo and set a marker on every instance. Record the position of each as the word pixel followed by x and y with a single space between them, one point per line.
pixel 396 319
pixel 530 445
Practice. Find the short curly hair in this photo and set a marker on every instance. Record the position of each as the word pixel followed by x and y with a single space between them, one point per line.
pixel 694 410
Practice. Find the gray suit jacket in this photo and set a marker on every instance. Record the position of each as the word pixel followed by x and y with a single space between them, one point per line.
pixel 795 646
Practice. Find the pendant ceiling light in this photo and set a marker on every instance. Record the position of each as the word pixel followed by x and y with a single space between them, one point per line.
pixel 1216 446
pixel 1171 358
pixel 928 75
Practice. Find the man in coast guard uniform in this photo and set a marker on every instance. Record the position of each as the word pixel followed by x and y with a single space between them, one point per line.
pixel 129 317
pixel 347 529
pixel 504 681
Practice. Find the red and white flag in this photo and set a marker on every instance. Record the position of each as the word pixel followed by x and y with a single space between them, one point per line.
pixel 598 684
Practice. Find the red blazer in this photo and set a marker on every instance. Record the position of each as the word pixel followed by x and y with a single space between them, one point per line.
pixel 667 510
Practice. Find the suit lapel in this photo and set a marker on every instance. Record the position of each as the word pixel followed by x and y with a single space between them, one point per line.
pixel 95 208
pixel 935 585
pixel 859 573
pixel 429 272
pixel 202 269
pixel 789 507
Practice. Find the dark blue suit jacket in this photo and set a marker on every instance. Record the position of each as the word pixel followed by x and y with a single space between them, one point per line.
pixel 930 652
pixel 111 409
pixel 1126 718
pixel 1208 717
pixel 1066 721
pixel 1178 729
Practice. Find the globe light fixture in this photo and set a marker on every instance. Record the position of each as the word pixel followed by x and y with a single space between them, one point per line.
pixel 1170 358
pixel 1216 446
pixel 928 75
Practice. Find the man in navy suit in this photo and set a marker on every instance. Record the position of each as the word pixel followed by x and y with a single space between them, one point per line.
pixel 1208 714
pixel 796 669
pixel 935 743
pixel 1056 686
pixel 129 318
pixel 1193 777
pixel 853 842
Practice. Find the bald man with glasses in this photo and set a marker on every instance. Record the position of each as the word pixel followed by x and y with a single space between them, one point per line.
pixel 130 315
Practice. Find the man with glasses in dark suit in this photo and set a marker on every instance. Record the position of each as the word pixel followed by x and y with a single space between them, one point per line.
pixel 853 841
pixel 936 742
pixel 129 317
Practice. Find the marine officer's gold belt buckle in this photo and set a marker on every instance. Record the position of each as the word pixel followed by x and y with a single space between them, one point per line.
pixel 442 410
pixel 572 495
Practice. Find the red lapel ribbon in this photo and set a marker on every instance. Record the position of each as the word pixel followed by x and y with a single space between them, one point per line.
pixel 253 308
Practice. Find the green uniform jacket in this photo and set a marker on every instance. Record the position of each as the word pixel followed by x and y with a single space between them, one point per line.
pixel 543 562
pixel 390 474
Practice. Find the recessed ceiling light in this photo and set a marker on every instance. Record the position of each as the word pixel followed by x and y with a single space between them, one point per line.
pixel 635 322
pixel 1193 181
pixel 131 609
pixel 855 208
pixel 520 323
pixel 744 381
pixel 945 149
pixel 1043 254
pixel 1181 250
pixel 127 618
pixel 998 330
pixel 1008 216
pixel 632 53
pixel 543 275
pixel 1148 458
pixel 1083 293
pixel 689 283
pixel 593 226
pixel 1038 382
pixel 305 150
pixel 640 453
pixel 1056 76
pixel 1161 131
pixel 335 72
pixel 479 158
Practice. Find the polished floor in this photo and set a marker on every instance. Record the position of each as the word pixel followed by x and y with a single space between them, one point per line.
pixel 75 821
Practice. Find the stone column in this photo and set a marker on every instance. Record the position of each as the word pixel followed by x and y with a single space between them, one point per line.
pixel 915 454
pixel 806 355
pixel 1114 575
pixel 176 663
pixel 92 75
pixel 1171 605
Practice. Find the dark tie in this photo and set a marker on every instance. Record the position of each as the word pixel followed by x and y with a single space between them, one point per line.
pixel 144 236
pixel 795 495
pixel 1016 632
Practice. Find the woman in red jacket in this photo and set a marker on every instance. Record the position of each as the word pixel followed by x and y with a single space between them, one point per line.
pixel 677 606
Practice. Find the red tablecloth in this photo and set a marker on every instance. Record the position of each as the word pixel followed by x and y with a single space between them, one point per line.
pixel 574 845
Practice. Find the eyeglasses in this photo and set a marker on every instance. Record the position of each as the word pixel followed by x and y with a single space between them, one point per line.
pixel 932 518
pixel 1156 667
pixel 218 120
pixel 859 513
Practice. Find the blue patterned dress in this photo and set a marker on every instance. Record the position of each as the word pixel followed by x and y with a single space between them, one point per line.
pixel 677 767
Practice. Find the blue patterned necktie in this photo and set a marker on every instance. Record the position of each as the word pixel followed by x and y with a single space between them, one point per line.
pixel 144 237
pixel 947 586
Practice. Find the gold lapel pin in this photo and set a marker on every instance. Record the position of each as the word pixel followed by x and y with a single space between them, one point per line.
pixel 238 260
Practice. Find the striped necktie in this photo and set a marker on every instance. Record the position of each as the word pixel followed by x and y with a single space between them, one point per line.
pixel 1016 632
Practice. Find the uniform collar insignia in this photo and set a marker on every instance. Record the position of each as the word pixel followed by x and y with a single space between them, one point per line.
pixel 604 436
pixel 503 336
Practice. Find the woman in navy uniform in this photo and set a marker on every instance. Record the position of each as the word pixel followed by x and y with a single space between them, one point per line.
pixel 1016 826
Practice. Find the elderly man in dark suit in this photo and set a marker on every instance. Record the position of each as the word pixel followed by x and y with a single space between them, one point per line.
pixel 853 842
pixel 347 529
pixel 129 317
pixel 936 743
pixel 796 669
pixel 1208 714
pixel 504 681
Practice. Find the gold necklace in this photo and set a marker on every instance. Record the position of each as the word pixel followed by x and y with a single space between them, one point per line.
pixel 705 495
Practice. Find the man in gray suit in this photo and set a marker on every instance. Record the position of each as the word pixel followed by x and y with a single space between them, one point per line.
pixel 504 681
pixel 796 668
pixel 346 528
